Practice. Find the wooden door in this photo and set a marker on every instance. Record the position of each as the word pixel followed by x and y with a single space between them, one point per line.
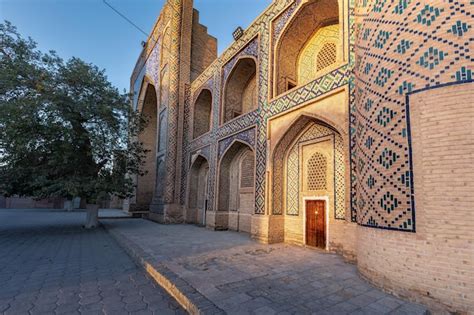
pixel 316 223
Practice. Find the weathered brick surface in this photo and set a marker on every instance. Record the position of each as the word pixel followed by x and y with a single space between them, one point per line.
pixel 436 264
pixel 203 47
pixel 384 50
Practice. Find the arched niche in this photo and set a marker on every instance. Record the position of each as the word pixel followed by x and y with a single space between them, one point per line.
pixel 198 191
pixel 303 42
pixel 323 170
pixel 236 192
pixel 146 183
pixel 202 113
pixel 240 90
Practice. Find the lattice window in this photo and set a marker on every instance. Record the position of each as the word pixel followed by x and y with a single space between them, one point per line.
pixel 316 172
pixel 326 56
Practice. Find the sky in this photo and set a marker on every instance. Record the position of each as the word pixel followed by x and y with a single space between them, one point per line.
pixel 90 30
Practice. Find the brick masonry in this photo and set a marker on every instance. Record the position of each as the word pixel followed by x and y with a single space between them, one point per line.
pixel 391 59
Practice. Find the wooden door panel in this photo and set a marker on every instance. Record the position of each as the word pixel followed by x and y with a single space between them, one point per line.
pixel 316 223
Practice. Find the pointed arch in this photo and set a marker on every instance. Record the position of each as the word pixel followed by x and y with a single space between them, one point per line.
pixel 236 181
pixel 302 27
pixel 198 185
pixel 202 113
pixel 280 157
pixel 148 136
pixel 240 89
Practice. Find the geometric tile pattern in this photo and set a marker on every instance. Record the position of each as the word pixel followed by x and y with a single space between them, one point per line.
pixel 256 42
pixel 279 12
pixel 312 131
pixel 251 49
pixel 285 152
pixel 319 53
pixel 174 87
pixel 419 44
pixel 339 177
pixel 317 169
pixel 246 136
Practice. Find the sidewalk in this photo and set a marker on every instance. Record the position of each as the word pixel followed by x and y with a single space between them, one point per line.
pixel 226 272
pixel 49 264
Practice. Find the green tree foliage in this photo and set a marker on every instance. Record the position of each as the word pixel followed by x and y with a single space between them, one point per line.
pixel 64 129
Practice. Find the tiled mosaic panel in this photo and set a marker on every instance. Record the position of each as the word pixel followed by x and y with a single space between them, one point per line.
pixel 352 109
pixel 260 26
pixel 251 49
pixel 339 176
pixel 318 87
pixel 186 137
pixel 314 132
pixel 292 182
pixel 402 46
pixel 279 161
pixel 153 45
pixel 317 53
pixel 246 136
pixel 190 145
pixel 332 80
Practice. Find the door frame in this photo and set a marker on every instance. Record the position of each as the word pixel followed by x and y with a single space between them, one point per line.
pixel 326 200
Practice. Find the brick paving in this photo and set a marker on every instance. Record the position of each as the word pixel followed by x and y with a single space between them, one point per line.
pixel 50 265
pixel 240 276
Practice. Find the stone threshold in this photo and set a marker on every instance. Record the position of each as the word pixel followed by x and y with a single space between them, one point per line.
pixel 184 293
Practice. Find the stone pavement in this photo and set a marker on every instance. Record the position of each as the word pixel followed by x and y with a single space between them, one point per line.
pixel 50 265
pixel 240 276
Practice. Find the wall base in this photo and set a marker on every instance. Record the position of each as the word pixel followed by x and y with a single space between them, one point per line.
pixel 217 220
pixel 267 229
pixel 135 207
pixel 166 213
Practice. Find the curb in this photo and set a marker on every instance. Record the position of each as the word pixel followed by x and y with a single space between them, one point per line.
pixel 185 294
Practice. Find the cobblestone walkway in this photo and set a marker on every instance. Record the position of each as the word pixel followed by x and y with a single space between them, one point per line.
pixel 50 265
pixel 243 277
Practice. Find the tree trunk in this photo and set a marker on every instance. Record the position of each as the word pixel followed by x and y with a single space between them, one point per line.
pixel 92 214
pixel 68 205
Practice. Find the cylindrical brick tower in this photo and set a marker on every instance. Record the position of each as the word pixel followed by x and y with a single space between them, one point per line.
pixel 412 147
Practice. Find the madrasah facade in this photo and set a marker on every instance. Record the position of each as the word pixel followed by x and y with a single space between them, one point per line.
pixel 344 125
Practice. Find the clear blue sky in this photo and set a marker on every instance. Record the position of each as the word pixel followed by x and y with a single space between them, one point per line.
pixel 88 29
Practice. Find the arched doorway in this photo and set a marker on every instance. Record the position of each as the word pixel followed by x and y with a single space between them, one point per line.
pixel 240 91
pixel 146 183
pixel 308 46
pixel 237 186
pixel 202 113
pixel 198 194
pixel 309 181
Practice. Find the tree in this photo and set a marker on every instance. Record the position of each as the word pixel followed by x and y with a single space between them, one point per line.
pixel 64 129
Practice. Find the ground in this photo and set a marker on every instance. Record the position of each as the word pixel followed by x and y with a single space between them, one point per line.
pixel 49 264
pixel 240 276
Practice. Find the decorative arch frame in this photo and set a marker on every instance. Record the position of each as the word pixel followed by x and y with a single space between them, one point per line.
pixel 226 81
pixel 193 161
pixel 149 137
pixel 297 127
pixel 219 167
pixel 211 112
pixel 146 81
pixel 274 67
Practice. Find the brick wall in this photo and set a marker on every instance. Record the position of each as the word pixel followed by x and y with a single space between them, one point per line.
pixel 203 47
pixel 202 113
pixel 435 265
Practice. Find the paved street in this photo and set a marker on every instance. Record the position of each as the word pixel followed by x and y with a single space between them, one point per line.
pixel 49 264
pixel 240 276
